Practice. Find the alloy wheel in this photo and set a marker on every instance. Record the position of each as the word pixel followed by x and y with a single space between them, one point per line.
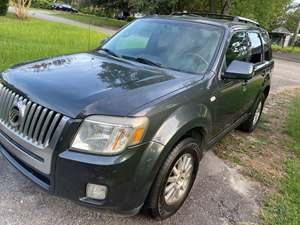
pixel 179 179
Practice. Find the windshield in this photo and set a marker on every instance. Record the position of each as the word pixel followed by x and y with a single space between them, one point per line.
pixel 179 45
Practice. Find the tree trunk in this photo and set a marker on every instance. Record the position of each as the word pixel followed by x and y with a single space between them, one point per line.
pixel 212 6
pixel 225 7
pixel 22 7
pixel 296 32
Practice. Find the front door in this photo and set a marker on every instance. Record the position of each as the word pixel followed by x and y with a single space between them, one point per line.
pixel 231 94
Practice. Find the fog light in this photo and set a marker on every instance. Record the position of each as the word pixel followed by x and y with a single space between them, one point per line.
pixel 95 191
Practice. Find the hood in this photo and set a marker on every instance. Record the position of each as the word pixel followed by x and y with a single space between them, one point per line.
pixel 87 84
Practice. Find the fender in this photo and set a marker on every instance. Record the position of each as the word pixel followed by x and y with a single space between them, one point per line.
pixel 178 124
pixel 170 132
pixel 182 120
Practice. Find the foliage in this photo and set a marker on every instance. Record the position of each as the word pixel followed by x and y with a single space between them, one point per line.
pixel 270 13
pixel 290 22
pixel 109 7
pixel 42 4
pixel 41 39
pixel 3 7
pixel 285 209
pixel 167 6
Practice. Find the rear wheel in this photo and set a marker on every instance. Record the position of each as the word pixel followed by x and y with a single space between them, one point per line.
pixel 174 180
pixel 250 124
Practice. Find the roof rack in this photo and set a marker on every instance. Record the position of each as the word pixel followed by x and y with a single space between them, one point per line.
pixel 246 20
pixel 185 14
pixel 218 16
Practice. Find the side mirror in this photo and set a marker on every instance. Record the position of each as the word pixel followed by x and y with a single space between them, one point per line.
pixel 239 70
pixel 104 41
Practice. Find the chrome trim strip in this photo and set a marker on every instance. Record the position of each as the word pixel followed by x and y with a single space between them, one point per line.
pixel 44 152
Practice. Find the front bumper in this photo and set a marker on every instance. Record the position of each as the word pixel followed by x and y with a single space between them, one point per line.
pixel 128 176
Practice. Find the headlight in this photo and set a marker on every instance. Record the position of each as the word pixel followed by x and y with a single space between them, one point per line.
pixel 109 135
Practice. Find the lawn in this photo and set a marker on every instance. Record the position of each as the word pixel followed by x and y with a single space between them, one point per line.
pixel 295 50
pixel 285 208
pixel 34 39
pixel 94 20
pixel 293 126
pixel 270 156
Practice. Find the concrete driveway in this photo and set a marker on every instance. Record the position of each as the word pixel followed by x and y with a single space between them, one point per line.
pixel 220 196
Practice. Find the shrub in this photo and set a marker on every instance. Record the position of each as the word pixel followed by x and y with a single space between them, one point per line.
pixel 21 7
pixel 42 4
pixel 130 18
pixel 3 7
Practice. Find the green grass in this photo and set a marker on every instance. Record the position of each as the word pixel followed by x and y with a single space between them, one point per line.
pixel 285 209
pixel 34 39
pixel 295 50
pixel 94 20
pixel 260 177
pixel 293 126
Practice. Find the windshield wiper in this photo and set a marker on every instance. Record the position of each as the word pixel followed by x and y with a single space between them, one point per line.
pixel 109 52
pixel 142 60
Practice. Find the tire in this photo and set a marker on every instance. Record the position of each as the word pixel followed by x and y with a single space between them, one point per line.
pixel 157 205
pixel 251 123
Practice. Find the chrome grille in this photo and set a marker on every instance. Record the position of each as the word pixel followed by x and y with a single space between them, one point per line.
pixel 38 123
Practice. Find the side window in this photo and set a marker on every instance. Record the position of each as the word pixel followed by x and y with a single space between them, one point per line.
pixel 238 48
pixel 255 48
pixel 267 46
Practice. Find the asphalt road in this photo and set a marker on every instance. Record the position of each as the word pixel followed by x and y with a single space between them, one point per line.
pixel 220 196
pixel 286 74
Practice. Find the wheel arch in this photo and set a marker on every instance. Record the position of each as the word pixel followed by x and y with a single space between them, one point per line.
pixel 187 121
pixel 266 91
pixel 196 132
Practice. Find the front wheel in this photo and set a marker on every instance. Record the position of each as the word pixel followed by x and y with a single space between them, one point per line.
pixel 250 124
pixel 174 180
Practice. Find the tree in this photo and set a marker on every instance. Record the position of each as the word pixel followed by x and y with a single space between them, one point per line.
pixel 21 7
pixel 212 6
pixel 296 17
pixel 269 13
pixel 3 7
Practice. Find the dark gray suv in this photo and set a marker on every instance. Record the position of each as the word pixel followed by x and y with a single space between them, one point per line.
pixel 124 127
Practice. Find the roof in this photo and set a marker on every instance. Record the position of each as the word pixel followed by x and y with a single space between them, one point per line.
pixel 281 30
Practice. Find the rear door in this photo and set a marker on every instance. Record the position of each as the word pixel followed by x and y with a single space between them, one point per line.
pixel 254 85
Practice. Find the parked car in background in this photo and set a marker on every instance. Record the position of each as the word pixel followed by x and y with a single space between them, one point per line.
pixel 125 126
pixel 63 7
